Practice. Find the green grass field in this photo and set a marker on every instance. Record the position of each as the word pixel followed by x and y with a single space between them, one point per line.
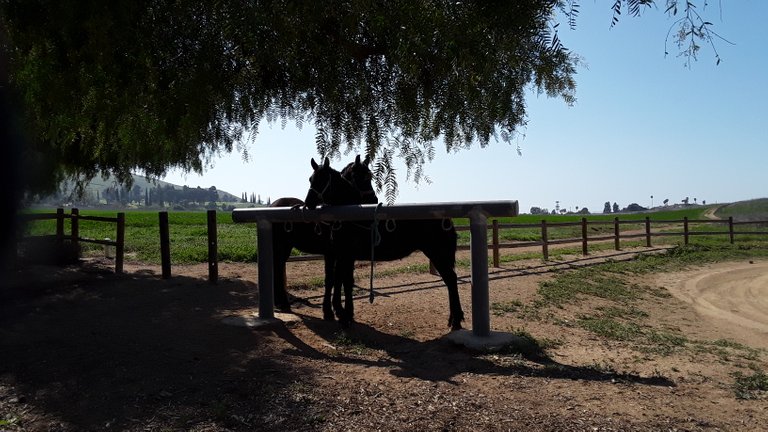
pixel 237 242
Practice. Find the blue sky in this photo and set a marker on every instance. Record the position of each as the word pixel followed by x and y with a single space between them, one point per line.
pixel 643 125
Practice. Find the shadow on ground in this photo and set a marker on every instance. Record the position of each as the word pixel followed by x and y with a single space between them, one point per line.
pixel 85 349
pixel 98 351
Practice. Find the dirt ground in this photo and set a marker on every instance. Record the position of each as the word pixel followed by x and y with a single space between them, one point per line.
pixel 83 349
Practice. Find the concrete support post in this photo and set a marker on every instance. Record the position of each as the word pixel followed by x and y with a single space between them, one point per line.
pixel 266 278
pixel 481 321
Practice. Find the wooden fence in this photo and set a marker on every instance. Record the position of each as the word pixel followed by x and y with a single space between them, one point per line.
pixel 680 228
pixel 585 239
pixel 213 248
pixel 75 238
pixel 647 232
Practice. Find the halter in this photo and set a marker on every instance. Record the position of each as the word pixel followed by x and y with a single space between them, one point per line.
pixel 321 193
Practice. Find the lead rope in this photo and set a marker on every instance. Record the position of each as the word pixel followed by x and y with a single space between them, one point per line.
pixel 375 240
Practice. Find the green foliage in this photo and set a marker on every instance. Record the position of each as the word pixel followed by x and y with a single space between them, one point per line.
pixel 611 329
pixel 594 281
pixel 122 86
pixel 682 257
pixel 750 386
pixel 117 87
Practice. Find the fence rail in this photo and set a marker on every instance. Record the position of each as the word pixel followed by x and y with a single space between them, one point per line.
pixel 74 237
pixel 647 229
pixel 585 239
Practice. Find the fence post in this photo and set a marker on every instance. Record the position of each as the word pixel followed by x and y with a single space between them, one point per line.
pixel 120 247
pixel 544 245
pixel 616 233
pixel 730 228
pixel 685 230
pixel 584 247
pixel 213 254
pixel 495 239
pixel 265 261
pixel 647 231
pixel 165 245
pixel 481 320
pixel 59 226
pixel 75 228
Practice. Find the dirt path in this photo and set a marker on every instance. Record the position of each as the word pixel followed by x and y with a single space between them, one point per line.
pixel 710 213
pixel 731 296
pixel 91 351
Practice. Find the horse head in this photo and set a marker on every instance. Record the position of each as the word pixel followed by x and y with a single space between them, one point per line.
pixel 327 186
pixel 360 176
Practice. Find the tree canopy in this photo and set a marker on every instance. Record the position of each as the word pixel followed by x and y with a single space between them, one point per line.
pixel 149 85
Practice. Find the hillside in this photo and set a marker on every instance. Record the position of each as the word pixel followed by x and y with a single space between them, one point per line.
pixel 99 184
pixel 755 209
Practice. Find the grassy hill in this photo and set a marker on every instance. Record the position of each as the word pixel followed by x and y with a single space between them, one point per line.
pixel 99 184
pixel 751 210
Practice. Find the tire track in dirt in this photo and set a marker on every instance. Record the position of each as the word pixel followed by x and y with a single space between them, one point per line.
pixel 732 293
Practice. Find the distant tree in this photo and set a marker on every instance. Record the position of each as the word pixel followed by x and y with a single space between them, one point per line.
pixel 703 202
pixel 269 201
pixel 607 207
pixel 685 201
pixel 136 194
pixel 666 201
pixel 635 207
pixel 615 208
pixel 584 210
pixel 535 210
pixel 213 194
pixel 694 200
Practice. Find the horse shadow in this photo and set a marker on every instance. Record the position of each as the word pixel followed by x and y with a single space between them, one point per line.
pixel 440 360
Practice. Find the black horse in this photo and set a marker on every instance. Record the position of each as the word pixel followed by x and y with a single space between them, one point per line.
pixel 352 240
pixel 315 238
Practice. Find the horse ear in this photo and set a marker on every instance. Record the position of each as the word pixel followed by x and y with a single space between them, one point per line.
pixel 357 160
pixel 314 164
pixel 327 163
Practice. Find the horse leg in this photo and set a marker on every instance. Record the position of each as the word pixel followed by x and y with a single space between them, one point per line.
pixel 337 281
pixel 329 280
pixel 445 266
pixel 344 277
pixel 349 285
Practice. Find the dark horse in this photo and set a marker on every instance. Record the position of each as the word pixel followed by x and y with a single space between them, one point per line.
pixel 352 240
pixel 315 238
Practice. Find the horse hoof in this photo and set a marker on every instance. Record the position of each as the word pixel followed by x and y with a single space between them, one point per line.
pixel 283 308
pixel 329 317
